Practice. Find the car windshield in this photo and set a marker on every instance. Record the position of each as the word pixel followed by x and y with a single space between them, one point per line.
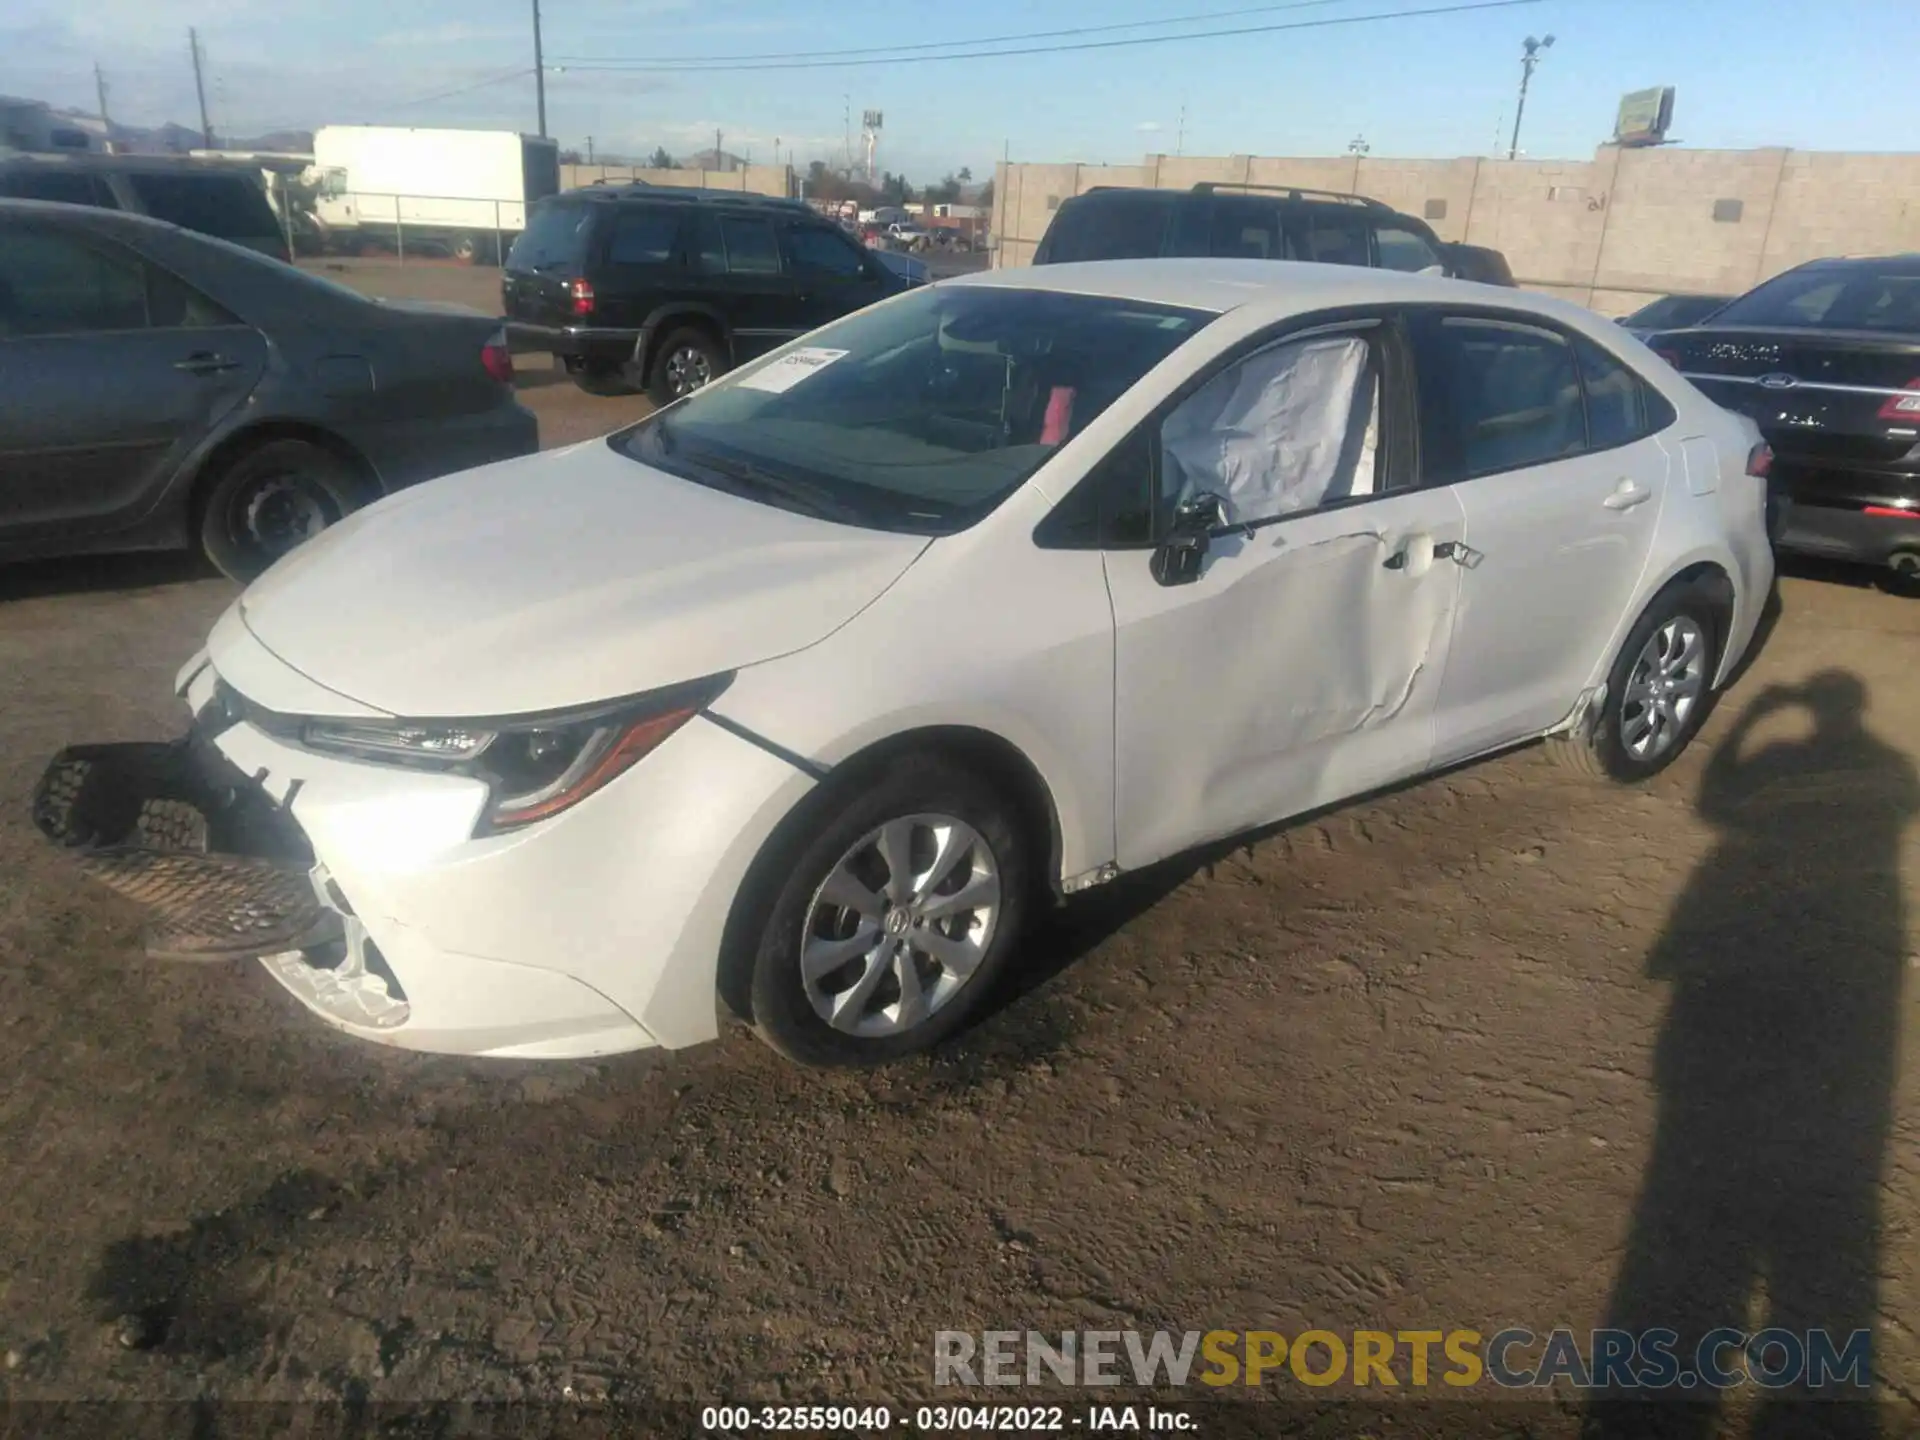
pixel 1832 298
pixel 920 414
pixel 1670 311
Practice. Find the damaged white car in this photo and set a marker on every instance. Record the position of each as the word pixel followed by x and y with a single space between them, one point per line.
pixel 798 698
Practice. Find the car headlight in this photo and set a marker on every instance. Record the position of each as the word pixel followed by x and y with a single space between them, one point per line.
pixel 535 766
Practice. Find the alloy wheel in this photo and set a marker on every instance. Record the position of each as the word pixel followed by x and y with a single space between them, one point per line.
pixel 900 924
pixel 687 370
pixel 1668 680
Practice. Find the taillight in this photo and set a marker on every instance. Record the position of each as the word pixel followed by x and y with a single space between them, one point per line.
pixel 1904 406
pixel 1760 460
pixel 496 359
pixel 581 292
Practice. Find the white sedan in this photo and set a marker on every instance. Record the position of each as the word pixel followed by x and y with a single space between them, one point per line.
pixel 798 699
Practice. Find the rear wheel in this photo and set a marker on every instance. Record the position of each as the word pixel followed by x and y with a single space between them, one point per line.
pixel 270 500
pixel 894 915
pixel 686 360
pixel 1658 693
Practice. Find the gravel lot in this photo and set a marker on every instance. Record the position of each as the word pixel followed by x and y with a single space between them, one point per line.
pixel 1500 1048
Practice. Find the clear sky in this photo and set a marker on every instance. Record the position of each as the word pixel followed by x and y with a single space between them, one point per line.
pixel 1835 75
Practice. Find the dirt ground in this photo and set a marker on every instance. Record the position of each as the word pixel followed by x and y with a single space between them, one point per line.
pixel 1502 1048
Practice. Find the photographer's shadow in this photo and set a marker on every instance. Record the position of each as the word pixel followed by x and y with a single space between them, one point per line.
pixel 1778 1059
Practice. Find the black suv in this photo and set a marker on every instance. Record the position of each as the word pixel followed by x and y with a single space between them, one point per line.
pixel 1255 222
pixel 224 199
pixel 645 287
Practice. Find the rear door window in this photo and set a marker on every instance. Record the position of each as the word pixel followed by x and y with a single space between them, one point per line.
pixel 1109 227
pixel 52 284
pixel 643 237
pixel 555 239
pixel 751 249
pixel 228 206
pixel 1494 395
pixel 1245 227
pixel 1854 298
pixel 1333 236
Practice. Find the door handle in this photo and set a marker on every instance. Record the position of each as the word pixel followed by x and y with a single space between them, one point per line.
pixel 1412 550
pixel 1626 495
pixel 205 362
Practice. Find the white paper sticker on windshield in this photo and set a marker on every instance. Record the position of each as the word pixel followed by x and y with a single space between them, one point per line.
pixel 789 370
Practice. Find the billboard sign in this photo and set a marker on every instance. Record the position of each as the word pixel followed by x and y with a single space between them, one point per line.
pixel 1644 117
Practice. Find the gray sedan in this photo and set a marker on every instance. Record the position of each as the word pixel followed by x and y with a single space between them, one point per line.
pixel 164 389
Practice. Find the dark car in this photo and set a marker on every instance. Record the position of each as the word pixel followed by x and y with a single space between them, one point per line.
pixel 1826 360
pixel 164 389
pixel 1481 264
pixel 1672 312
pixel 644 287
pixel 1250 222
pixel 223 199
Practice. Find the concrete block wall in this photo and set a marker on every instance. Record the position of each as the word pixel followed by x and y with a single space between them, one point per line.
pixel 775 180
pixel 1610 232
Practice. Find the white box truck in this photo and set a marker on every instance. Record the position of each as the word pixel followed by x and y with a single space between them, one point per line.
pixel 458 192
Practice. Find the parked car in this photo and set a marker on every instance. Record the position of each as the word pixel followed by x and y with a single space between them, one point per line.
pixel 1479 263
pixel 806 693
pixel 1251 222
pixel 638 287
pixel 223 199
pixel 1672 312
pixel 1826 361
pixel 907 235
pixel 165 389
pixel 907 269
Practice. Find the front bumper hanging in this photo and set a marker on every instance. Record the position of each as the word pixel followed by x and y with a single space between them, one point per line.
pixel 223 872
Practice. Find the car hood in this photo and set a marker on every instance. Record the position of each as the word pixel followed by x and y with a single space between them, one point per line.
pixel 558 580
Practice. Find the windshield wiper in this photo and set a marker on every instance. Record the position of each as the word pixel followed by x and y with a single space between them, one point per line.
pixel 811 499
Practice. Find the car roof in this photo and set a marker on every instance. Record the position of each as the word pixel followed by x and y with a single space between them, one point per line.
pixel 1904 264
pixel 1282 287
pixel 93 160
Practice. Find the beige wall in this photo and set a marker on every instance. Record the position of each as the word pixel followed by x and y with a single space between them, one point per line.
pixel 1608 232
pixel 774 180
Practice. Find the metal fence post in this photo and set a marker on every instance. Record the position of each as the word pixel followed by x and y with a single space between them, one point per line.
pixel 499 242
pixel 399 231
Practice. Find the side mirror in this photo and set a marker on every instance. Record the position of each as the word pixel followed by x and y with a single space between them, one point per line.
pixel 1177 560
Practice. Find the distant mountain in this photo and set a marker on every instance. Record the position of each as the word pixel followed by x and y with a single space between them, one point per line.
pixel 712 160
pixel 175 139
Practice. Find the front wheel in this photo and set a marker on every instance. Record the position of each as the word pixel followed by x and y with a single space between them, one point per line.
pixel 272 499
pixel 895 915
pixel 1658 693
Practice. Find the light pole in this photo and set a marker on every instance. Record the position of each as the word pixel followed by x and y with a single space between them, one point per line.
pixel 1530 57
pixel 539 72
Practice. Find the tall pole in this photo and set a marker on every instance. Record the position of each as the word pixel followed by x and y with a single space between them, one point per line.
pixel 200 88
pixel 100 87
pixel 1529 57
pixel 589 149
pixel 539 73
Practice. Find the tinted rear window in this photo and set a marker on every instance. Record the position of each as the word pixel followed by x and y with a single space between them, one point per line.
pixel 1674 310
pixel 555 239
pixel 230 207
pixel 1129 227
pixel 1853 298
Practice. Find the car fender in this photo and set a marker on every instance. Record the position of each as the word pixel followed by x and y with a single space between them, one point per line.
pixel 1715 554
pixel 661 317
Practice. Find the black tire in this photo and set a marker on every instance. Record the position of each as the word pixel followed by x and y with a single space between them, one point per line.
pixel 686 353
pixel 839 820
pixel 602 379
pixel 1601 747
pixel 466 249
pixel 267 500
